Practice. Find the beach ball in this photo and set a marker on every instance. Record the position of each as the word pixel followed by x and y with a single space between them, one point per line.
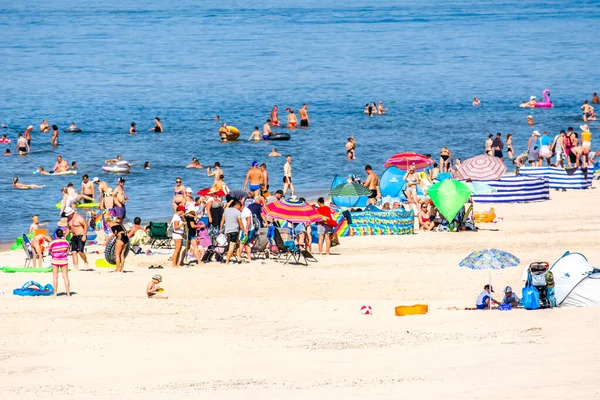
pixel 366 310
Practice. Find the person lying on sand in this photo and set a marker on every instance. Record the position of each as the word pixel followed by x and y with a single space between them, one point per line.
pixel 153 288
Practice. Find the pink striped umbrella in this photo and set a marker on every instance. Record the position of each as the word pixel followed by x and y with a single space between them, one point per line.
pixel 403 161
pixel 482 168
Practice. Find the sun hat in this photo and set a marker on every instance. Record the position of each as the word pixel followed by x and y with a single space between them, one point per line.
pixel 507 289
pixel 157 277
pixel 536 133
pixel 189 190
pixel 62 223
pixel 180 208
pixel 532 98
pixel 30 127
pixel 584 128
pixel 68 211
pixel 96 179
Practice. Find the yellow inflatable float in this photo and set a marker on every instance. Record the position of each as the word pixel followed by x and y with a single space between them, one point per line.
pixel 485 216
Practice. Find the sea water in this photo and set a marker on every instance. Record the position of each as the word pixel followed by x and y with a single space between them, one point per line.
pixel 106 64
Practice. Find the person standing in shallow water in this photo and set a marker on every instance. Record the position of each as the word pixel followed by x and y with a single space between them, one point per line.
pixel 595 99
pixel 304 116
pixel 54 141
pixel 158 128
pixel 132 130
pixel 274 117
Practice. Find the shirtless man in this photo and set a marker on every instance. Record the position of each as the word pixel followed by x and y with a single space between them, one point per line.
pixel 531 102
pixel 255 176
pixel 102 193
pixel 371 183
pixel 304 116
pixel 120 199
pixel 87 189
pixel 215 173
pixel 263 168
pixel 580 152
pixel 256 136
pixel 44 126
pixel 274 116
pixel 381 109
pixel 78 227
pixel 287 175
pixel 274 153
pixel 267 129
pixel 28 134
pixel 60 166
pixel 587 110
pixel 595 99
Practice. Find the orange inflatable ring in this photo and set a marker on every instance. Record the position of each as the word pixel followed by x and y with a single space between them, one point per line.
pixel 417 309
pixel 485 216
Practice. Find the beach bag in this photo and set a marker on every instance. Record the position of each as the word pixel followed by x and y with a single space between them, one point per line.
pixel 221 240
pixel 530 298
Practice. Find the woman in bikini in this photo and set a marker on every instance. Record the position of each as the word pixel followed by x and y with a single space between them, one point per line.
pixel 425 222
pixel 121 242
pixel 292 119
pixel 445 159
pixel 178 194
pixel 509 146
pixel 412 181
pixel 17 185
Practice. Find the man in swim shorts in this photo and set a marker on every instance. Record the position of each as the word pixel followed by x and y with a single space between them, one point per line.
pixel 255 176
pixel 87 188
pixel 304 116
pixel 28 134
pixel 371 183
pixel 78 227
pixel 267 130
pixel 120 199
pixel 263 169
pixel 274 116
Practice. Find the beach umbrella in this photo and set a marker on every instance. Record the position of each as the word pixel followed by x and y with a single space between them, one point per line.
pixel 480 188
pixel 482 168
pixel 349 189
pixel 236 194
pixel 292 210
pixel 489 259
pixel 206 192
pixel 404 160
pixel 449 197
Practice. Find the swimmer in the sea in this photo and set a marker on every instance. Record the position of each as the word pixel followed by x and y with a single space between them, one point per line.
pixel 158 128
pixel 531 102
pixel 292 118
pixel 7 152
pixel 194 164
pixel 147 165
pixel 530 120
pixel 274 116
pixel 524 104
pixel 256 136
pixel 380 108
pixel 42 171
pixel 267 130
pixel 44 126
pixel 74 165
pixel 224 131
pixel 72 126
pixel 132 130
pixel 274 153
pixel 114 160
pixel 349 149
pixel 476 102
pixel 17 185
pixel 217 118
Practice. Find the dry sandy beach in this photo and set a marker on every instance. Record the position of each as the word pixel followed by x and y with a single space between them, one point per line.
pixel 271 331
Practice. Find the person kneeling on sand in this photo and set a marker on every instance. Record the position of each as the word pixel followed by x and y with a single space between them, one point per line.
pixel 153 288
pixel 510 297
pixel 483 301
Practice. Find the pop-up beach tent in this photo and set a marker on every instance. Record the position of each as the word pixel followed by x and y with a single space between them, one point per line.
pixel 347 201
pixel 577 282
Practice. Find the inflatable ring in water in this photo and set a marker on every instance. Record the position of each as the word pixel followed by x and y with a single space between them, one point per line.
pixel 109 252
pixel 4 141
pixel 234 133
pixel 116 168
pixel 279 136
pixel 72 130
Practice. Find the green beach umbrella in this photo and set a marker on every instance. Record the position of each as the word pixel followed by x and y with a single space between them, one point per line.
pixel 349 189
pixel 449 197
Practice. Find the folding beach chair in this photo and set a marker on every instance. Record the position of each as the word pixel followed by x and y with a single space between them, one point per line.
pixel 29 254
pixel 261 243
pixel 159 238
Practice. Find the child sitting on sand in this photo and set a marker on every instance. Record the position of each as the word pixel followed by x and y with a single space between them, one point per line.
pixel 153 288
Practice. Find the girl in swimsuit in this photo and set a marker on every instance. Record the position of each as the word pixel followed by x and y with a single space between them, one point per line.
pixel 412 180
pixel 36 245
pixel 121 243
pixel 445 159
pixel 178 195
pixel 509 145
